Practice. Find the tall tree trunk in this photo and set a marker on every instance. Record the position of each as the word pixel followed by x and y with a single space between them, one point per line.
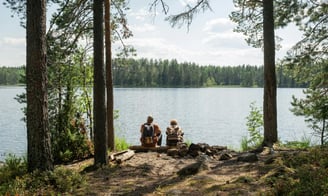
pixel 99 100
pixel 38 136
pixel 270 88
pixel 109 84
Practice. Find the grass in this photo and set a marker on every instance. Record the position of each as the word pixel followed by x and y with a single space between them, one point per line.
pixel 121 144
pixel 15 180
pixel 295 172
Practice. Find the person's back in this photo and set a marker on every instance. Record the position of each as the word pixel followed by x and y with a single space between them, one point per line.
pixel 174 134
pixel 150 134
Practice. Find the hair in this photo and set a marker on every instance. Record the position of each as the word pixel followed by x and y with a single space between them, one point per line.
pixel 174 122
pixel 150 119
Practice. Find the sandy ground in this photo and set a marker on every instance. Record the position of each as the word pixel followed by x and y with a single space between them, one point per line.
pixel 152 173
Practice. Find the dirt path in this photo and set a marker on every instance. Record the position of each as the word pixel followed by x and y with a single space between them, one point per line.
pixel 152 173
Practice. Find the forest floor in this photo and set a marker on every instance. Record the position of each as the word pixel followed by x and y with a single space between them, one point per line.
pixel 152 173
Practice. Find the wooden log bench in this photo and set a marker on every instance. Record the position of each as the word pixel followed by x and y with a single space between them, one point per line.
pixel 159 149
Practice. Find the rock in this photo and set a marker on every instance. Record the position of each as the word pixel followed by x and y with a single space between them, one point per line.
pixel 248 157
pixel 172 152
pixel 203 147
pixel 218 148
pixel 225 156
pixel 182 145
pixel 183 152
pixel 193 168
pixel 209 152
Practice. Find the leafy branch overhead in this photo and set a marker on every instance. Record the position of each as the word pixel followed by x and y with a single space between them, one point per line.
pixel 71 23
pixel 185 17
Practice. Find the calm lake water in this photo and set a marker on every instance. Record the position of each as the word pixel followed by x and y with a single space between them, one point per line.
pixel 216 116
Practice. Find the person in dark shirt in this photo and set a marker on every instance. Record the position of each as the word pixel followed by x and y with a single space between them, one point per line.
pixel 150 133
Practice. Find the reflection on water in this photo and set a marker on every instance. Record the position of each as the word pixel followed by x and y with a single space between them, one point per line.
pixel 216 116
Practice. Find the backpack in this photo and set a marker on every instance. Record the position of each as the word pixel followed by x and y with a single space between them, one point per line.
pixel 174 135
pixel 148 132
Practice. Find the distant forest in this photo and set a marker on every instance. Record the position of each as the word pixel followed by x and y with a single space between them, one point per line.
pixel 12 75
pixel 170 73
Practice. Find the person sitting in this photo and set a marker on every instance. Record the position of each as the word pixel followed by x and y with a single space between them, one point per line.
pixel 150 134
pixel 174 134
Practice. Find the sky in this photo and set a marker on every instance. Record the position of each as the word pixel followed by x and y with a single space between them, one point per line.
pixel 210 39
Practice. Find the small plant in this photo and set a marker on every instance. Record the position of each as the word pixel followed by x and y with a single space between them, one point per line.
pixel 14 166
pixel 121 144
pixel 57 182
pixel 254 127
pixel 188 142
pixel 303 144
pixel 67 180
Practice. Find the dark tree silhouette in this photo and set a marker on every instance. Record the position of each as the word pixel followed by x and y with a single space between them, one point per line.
pixel 99 100
pixel 38 136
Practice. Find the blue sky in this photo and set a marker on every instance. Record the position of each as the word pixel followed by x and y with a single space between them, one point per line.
pixel 210 39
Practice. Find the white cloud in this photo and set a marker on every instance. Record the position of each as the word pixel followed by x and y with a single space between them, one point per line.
pixel 160 48
pixel 12 51
pixel 141 14
pixel 218 25
pixel 219 34
pixel 11 41
pixel 143 28
pixel 186 2
pixel 225 40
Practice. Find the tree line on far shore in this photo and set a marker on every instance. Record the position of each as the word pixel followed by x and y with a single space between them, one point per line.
pixel 170 73
pixel 11 75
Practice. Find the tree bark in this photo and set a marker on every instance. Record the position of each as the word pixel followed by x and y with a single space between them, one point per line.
pixel 39 154
pixel 109 78
pixel 99 100
pixel 270 89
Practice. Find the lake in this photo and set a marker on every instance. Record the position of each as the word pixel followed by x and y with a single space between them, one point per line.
pixel 216 116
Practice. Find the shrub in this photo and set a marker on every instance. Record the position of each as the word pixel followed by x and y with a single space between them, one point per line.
pixel 254 127
pixel 61 180
pixel 121 144
pixel 13 167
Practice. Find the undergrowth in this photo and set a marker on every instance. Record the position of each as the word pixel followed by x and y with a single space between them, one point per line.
pixel 15 180
pixel 310 176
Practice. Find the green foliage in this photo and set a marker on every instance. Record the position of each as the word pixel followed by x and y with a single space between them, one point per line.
pixel 311 180
pixel 254 127
pixel 311 18
pixel 314 107
pixel 307 62
pixel 188 142
pixel 310 176
pixel 121 144
pixel 186 17
pixel 170 73
pixel 11 75
pixel 72 146
pixel 249 19
pixel 14 166
pixel 60 181
pixel 67 180
pixel 303 144
pixel 160 73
